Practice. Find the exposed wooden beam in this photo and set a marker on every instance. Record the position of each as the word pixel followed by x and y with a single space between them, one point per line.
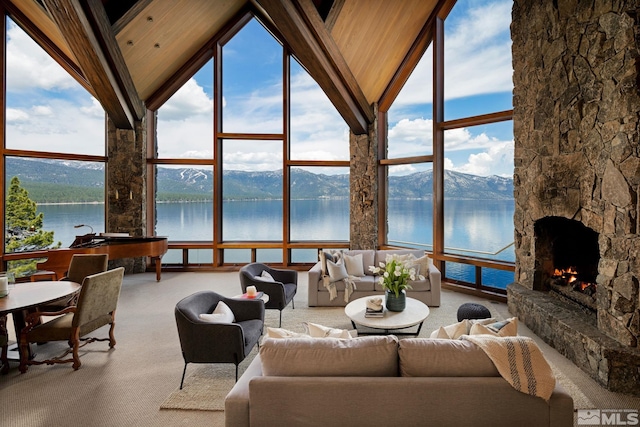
pixel 88 34
pixel 129 15
pixel 300 24
pixel 334 12
pixel 107 38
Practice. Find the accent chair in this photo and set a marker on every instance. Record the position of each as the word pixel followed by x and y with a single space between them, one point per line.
pixel 204 341
pixel 280 285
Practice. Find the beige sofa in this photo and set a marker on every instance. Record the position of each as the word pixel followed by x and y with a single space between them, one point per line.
pixel 427 291
pixel 381 381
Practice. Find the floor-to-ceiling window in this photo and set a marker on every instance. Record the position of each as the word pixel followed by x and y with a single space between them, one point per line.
pixel 256 170
pixel 53 152
pixel 476 219
pixel 478 142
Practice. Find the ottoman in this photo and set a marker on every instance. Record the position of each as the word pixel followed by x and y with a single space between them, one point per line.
pixel 471 310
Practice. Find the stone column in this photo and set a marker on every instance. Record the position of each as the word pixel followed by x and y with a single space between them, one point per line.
pixel 363 182
pixel 126 207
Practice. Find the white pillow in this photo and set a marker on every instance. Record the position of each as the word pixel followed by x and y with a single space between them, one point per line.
pixel 337 271
pixel 455 331
pixel 452 332
pixel 421 265
pixel 318 331
pixel 265 277
pixel 503 328
pixel 283 333
pixel 354 264
pixel 221 314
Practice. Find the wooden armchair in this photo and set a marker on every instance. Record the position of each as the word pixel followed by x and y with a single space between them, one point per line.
pixel 96 307
pixel 80 266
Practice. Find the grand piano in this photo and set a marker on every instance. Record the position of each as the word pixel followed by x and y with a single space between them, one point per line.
pixel 117 247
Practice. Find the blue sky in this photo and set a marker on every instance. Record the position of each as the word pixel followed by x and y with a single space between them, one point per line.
pixel 41 98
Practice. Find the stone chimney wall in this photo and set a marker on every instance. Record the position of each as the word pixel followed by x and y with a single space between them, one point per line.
pixel 576 129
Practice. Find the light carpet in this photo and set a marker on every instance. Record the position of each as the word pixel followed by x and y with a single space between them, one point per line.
pixel 206 386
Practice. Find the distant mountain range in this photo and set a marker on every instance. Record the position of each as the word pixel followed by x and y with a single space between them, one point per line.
pixel 75 182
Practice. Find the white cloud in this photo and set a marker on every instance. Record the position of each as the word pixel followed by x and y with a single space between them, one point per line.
pixel 497 160
pixel 410 138
pixel 48 128
pixel 477 56
pixel 253 161
pixel 188 102
pixel 29 66
pixel 490 155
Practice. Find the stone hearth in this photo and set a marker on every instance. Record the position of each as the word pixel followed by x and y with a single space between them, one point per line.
pixel 577 158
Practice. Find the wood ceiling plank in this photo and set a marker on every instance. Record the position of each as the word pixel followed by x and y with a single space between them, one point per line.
pixel 375 35
pixel 77 31
pixel 163 37
pixel 315 56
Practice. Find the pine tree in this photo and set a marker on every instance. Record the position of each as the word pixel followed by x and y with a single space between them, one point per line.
pixel 24 228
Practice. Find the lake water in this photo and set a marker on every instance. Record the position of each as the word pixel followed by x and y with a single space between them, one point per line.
pixel 472 227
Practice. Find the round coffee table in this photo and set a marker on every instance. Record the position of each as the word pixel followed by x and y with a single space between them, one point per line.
pixel 414 314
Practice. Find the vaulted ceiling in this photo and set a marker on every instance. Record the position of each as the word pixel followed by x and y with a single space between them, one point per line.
pixel 133 55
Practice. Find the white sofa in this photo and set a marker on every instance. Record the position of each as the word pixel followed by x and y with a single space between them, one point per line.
pixel 427 290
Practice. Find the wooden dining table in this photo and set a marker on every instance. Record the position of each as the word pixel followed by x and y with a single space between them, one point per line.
pixel 29 295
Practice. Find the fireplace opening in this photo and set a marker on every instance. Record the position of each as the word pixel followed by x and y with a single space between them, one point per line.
pixel 567 256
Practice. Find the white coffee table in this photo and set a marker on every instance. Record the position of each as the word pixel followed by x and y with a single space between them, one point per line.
pixel 414 314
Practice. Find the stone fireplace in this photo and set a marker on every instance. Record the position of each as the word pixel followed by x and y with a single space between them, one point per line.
pixel 576 182
pixel 566 261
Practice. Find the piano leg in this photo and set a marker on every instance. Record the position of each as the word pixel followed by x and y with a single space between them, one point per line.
pixel 157 261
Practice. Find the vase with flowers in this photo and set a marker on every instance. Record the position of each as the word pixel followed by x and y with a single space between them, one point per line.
pixel 395 274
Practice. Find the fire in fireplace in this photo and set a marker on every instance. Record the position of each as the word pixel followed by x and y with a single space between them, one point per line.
pixel 567 257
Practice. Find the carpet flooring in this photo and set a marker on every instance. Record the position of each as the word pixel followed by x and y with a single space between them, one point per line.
pixel 207 385
pixel 126 386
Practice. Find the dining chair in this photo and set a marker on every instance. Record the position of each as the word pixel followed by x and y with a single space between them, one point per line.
pixel 96 307
pixel 4 345
pixel 80 266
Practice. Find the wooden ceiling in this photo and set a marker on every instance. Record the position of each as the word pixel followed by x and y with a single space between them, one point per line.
pixel 132 54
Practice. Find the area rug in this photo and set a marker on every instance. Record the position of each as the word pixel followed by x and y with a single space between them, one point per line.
pixel 206 386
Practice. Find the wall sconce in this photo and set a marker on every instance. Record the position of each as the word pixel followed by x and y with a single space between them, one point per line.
pixel 117 195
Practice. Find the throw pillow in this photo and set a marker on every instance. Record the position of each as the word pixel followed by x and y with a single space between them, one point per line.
pixel 221 314
pixel 265 277
pixel 354 264
pixel 452 332
pixel 283 333
pixel 337 271
pixel 324 257
pixel 318 331
pixel 503 328
pixel 421 265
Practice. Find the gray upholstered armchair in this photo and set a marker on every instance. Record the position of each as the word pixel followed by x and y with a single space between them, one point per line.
pixel 280 292
pixel 206 342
